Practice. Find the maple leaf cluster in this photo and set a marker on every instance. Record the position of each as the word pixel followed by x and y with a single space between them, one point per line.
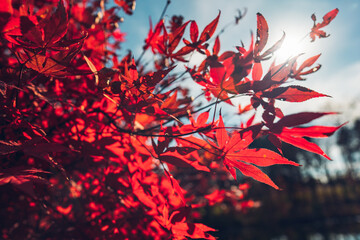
pixel 94 145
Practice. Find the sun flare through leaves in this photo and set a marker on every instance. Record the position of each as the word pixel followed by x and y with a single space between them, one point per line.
pixel 98 143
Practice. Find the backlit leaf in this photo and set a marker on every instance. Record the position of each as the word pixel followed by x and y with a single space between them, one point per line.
pixel 252 171
pixel 300 118
pixel 209 29
pixel 302 143
pixel 194 31
pixel 315 31
pixel 262 34
pixel 221 134
pixel 293 94
pixel 260 157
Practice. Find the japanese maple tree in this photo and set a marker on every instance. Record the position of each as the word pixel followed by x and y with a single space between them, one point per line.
pixel 97 144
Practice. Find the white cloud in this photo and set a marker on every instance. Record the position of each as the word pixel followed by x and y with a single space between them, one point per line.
pixel 341 83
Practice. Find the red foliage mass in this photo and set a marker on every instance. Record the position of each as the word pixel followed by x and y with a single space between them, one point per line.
pixel 94 147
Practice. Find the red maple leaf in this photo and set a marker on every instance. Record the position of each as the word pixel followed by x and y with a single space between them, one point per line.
pixel 316 29
pixel 237 155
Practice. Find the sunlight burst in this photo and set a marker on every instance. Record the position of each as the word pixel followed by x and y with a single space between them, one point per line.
pixel 291 47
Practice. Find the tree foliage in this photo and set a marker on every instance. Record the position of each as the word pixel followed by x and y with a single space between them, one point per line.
pixel 95 145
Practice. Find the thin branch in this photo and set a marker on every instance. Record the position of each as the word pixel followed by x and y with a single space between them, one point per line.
pixel 143 132
pixel 192 112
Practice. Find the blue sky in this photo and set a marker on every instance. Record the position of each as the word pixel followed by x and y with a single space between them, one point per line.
pixel 340 59
pixel 339 76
